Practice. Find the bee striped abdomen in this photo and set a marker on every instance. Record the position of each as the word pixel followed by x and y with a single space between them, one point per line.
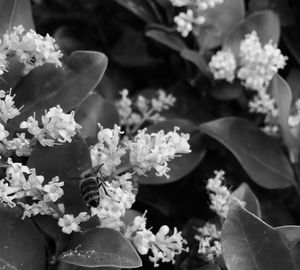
pixel 89 189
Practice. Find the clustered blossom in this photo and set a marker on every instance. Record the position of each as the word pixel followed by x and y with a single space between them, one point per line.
pixel 70 224
pixel 155 150
pixel 146 151
pixel 219 194
pixel 163 245
pixel 58 127
pixel 115 198
pixel 194 16
pixel 209 242
pixel 7 107
pixel 256 65
pixel 134 114
pixel 108 150
pixel 21 182
pixel 30 48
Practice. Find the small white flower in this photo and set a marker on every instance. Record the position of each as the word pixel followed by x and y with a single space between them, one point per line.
pixel 7 106
pixel 70 224
pixel 53 190
pixel 3 133
pixel 20 145
pixel 223 65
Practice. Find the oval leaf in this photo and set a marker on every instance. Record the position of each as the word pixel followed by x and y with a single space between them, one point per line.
pixel 249 243
pixel 22 246
pixel 171 40
pixel 67 161
pixel 48 86
pixel 101 248
pixel 283 96
pixel 291 234
pixel 92 111
pixel 265 23
pixel 219 21
pixel 180 166
pixel 261 157
pixel 245 194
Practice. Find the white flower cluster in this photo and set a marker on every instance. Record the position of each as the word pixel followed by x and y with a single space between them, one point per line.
pixel 146 151
pixel 115 198
pixel 155 150
pixel 21 182
pixel 219 194
pixel 209 242
pixel 255 67
pixel 30 48
pixel 163 245
pixel 58 127
pixel 70 224
pixel 194 14
pixel 134 114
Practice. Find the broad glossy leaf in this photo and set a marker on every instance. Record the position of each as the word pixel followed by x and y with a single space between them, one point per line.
pixel 250 244
pixel 265 23
pixel 183 165
pixel 139 8
pixel 22 246
pixel 260 155
pixel 48 86
pixel 169 39
pixel 245 194
pixel 283 97
pixel 291 234
pixel 101 248
pixel 14 13
pixel 196 58
pixel 92 111
pixel 293 80
pixel 67 161
pixel 227 91
pixel 219 21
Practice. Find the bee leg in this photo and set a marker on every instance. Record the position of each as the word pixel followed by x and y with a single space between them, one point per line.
pixel 102 184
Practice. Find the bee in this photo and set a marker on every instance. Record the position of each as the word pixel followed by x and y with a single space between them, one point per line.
pixel 90 184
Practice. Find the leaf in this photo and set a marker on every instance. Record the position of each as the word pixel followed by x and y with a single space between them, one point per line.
pixel 92 111
pixel 68 161
pixel 261 157
pixel 291 234
pixel 22 246
pixel 197 59
pixel 250 244
pixel 227 91
pixel 48 86
pixel 293 80
pixel 183 165
pixel 14 13
pixel 245 194
pixel 139 8
pixel 219 21
pixel 265 23
pixel 171 40
pixel 283 97
pixel 101 247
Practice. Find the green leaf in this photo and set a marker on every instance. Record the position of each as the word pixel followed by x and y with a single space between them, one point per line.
pixel 293 80
pixel 170 40
pixel 283 96
pixel 260 155
pixel 183 165
pixel 101 248
pixel 48 86
pixel 265 23
pixel 291 234
pixel 245 194
pixel 139 8
pixel 197 59
pixel 219 21
pixel 92 111
pixel 227 91
pixel 22 245
pixel 68 161
pixel 14 13
pixel 249 243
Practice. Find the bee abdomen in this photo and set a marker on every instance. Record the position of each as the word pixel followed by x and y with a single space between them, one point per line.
pixel 90 191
